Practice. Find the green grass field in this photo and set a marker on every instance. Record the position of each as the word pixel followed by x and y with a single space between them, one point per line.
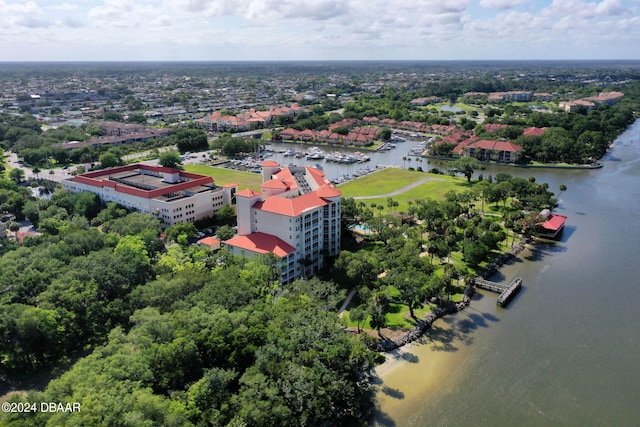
pixel 391 179
pixel 224 176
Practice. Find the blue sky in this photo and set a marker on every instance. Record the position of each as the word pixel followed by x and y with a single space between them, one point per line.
pixel 127 30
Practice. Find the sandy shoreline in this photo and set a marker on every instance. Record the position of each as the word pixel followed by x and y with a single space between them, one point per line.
pixel 417 373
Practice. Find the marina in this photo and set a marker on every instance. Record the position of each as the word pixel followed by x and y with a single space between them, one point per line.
pixel 341 163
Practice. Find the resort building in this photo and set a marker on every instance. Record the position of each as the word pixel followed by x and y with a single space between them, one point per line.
pixel 296 216
pixel 501 151
pixel 170 194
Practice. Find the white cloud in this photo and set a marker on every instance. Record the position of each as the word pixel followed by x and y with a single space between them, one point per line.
pixel 323 29
pixel 64 6
pixel 502 4
pixel 583 9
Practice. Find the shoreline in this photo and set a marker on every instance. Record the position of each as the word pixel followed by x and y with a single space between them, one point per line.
pixel 595 165
pixel 387 345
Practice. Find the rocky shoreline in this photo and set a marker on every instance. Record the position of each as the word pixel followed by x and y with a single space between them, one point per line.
pixel 387 345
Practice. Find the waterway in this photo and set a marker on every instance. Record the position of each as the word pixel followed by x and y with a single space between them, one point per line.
pixel 566 350
pixel 397 157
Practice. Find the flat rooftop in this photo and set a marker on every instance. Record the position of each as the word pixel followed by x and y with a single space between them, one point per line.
pixel 149 181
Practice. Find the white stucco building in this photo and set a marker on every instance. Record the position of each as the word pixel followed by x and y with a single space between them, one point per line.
pixel 296 216
pixel 170 194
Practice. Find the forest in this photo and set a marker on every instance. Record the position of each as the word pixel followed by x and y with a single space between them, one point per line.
pixel 161 332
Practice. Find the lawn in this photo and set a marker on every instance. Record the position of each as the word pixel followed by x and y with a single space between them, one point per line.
pixel 383 181
pixel 391 179
pixel 224 176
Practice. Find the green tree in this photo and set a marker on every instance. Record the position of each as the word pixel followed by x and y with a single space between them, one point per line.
pixel 384 134
pixel 17 175
pixel 225 232
pixel 378 309
pixel 109 160
pixel 226 215
pixel 170 159
pixel 186 229
pixel 465 166
pixel 359 315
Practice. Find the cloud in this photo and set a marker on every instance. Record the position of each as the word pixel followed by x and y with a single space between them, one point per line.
pixel 70 22
pixel 32 22
pixel 64 6
pixel 583 9
pixel 502 4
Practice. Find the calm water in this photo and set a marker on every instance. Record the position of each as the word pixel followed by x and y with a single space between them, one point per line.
pixel 566 352
pixel 393 157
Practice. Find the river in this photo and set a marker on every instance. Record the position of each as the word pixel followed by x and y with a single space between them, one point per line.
pixel 566 350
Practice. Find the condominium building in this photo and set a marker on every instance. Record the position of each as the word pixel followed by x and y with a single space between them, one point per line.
pixel 170 194
pixel 295 216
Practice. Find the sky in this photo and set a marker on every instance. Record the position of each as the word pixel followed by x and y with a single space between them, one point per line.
pixel 210 30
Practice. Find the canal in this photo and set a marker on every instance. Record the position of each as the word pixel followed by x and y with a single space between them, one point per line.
pixel 565 352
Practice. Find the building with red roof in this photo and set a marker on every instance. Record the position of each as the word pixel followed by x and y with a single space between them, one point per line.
pixel 296 216
pixel 551 225
pixel 501 151
pixel 172 195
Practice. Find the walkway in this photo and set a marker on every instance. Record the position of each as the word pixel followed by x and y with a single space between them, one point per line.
pixel 347 301
pixel 400 190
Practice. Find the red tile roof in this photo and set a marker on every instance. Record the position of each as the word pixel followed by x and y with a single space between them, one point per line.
pixel 275 184
pixel 270 163
pixel 327 191
pixel 318 176
pixel 209 241
pixel 554 222
pixel 496 145
pixel 291 207
pixel 262 243
pixel 533 131
pixel 247 192
pixel 285 176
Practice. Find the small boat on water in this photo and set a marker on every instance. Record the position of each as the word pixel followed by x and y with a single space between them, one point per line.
pixel 314 153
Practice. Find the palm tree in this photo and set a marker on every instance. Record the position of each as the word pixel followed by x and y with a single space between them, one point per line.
pixel 563 188
pixel 404 162
pixel 35 172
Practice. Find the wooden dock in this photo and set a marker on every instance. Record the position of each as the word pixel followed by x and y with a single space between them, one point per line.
pixel 489 285
pixel 506 291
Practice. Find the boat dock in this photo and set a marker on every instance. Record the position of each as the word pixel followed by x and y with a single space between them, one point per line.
pixel 506 291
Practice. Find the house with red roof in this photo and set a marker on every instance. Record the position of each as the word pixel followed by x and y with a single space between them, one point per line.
pixel 534 131
pixel 501 151
pixel 551 225
pixel 295 216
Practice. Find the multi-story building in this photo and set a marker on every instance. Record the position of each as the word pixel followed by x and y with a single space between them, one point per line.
pixel 170 194
pixel 296 216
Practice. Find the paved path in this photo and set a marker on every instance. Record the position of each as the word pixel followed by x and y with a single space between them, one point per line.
pixel 346 302
pixel 398 191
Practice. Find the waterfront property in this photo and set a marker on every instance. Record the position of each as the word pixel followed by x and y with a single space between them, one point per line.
pixel 296 217
pixel 552 224
pixel 170 194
